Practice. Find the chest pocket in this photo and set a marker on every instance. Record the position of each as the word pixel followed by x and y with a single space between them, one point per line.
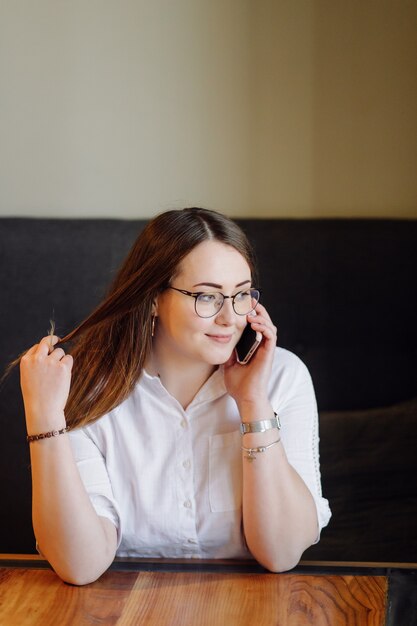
pixel 225 472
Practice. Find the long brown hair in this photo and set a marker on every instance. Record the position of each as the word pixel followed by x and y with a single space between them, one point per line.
pixel 110 346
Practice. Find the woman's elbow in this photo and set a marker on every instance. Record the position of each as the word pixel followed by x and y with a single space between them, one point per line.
pixel 284 559
pixel 79 572
pixel 78 578
pixel 279 565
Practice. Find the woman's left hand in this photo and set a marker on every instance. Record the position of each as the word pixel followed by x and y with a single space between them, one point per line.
pixel 248 384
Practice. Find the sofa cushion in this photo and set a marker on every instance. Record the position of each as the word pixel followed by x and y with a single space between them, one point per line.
pixel 369 474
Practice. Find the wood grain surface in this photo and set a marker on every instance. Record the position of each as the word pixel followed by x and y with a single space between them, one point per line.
pixel 37 597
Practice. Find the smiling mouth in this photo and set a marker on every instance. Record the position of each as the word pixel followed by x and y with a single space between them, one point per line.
pixel 220 338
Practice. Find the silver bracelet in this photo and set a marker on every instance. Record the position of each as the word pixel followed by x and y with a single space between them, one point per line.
pixel 252 452
pixel 260 426
pixel 51 433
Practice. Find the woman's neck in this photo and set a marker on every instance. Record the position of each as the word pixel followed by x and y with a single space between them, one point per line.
pixel 183 379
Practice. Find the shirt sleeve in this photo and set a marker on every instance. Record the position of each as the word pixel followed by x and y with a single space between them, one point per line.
pixel 294 400
pixel 92 468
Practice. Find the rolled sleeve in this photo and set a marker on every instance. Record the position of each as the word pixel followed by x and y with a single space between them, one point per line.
pixel 92 468
pixel 295 402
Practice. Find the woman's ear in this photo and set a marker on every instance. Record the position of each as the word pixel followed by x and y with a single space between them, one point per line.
pixel 155 306
pixel 154 313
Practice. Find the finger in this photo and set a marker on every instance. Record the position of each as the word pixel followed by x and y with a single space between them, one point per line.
pixel 47 343
pixel 261 310
pixel 68 361
pixel 265 327
pixel 49 339
pixel 261 319
pixel 31 350
pixel 57 354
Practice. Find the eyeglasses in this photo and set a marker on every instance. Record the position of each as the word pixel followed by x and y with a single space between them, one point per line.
pixel 209 304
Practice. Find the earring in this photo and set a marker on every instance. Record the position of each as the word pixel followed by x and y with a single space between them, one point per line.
pixel 153 325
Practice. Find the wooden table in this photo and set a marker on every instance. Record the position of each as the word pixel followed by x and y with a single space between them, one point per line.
pixel 170 593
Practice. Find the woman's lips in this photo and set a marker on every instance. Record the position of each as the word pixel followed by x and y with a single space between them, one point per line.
pixel 220 338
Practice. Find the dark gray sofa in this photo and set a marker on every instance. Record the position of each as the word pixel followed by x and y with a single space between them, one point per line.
pixel 343 294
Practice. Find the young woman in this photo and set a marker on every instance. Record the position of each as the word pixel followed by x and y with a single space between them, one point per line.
pixel 174 448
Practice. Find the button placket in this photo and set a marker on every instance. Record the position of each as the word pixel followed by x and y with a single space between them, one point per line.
pixel 185 486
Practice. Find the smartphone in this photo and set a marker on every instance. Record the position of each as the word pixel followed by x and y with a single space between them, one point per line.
pixel 247 344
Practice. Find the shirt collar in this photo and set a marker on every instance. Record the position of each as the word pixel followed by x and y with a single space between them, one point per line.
pixel 212 389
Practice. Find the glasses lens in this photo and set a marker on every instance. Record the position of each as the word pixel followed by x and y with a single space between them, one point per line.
pixel 245 301
pixel 208 304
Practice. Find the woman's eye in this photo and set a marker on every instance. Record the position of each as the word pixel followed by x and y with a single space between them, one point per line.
pixel 243 295
pixel 207 298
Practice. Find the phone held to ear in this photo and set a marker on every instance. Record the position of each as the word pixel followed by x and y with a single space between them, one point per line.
pixel 247 344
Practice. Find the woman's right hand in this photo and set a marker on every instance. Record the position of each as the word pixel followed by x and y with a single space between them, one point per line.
pixel 45 378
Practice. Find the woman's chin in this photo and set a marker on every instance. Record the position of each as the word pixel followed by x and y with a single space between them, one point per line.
pixel 221 359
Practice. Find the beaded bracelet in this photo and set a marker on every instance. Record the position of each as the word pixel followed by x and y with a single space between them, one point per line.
pixel 51 433
pixel 252 452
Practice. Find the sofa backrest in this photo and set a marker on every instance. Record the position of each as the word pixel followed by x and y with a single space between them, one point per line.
pixel 343 294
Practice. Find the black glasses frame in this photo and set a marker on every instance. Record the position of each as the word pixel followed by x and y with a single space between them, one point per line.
pixel 196 294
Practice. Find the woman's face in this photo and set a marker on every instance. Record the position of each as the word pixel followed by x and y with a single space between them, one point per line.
pixel 182 336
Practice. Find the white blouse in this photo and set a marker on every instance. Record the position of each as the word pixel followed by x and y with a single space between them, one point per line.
pixel 170 479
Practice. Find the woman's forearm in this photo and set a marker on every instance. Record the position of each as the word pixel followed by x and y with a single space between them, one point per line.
pixel 279 513
pixel 78 543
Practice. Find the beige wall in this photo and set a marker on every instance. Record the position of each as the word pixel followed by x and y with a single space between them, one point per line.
pixel 255 107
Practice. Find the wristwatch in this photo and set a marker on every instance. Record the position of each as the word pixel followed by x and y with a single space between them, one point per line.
pixel 260 426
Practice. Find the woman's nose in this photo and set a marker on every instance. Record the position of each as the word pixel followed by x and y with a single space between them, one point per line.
pixel 226 315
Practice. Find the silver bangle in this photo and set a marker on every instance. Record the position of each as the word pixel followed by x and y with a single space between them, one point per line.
pixel 260 426
pixel 252 452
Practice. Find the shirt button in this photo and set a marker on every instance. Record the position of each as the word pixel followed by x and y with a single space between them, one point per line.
pixel 187 504
pixel 193 541
pixel 186 464
pixel 183 423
